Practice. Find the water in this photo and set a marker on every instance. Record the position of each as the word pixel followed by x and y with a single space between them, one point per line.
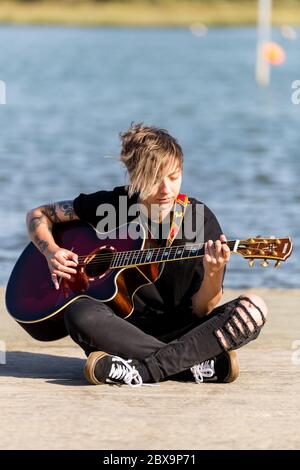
pixel 70 91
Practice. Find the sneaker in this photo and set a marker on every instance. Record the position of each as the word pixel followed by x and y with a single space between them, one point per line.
pixel 222 369
pixel 103 368
pixel 204 370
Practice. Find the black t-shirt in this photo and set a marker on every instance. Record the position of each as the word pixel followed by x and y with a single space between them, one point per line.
pixel 171 293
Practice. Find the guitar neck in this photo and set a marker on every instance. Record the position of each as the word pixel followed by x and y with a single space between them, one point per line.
pixel 127 259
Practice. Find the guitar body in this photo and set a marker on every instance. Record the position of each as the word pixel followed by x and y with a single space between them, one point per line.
pixel 38 307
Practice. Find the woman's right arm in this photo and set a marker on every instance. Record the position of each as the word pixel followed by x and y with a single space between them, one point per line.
pixel 39 222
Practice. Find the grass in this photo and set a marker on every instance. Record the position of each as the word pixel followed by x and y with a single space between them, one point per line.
pixel 144 13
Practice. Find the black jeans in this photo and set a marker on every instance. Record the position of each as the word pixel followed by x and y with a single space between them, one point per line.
pixel 95 327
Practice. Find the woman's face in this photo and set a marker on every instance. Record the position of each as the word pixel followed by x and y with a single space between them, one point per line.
pixel 161 199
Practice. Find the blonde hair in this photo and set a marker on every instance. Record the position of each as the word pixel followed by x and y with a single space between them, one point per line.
pixel 146 151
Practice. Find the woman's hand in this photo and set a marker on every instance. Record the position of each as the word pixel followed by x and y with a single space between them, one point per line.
pixel 216 256
pixel 61 263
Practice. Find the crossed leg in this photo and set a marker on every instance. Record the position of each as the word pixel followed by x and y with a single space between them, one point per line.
pixel 245 323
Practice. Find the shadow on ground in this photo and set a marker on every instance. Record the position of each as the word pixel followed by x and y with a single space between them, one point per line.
pixel 61 370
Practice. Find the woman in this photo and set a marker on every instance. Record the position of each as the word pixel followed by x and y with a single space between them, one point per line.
pixel 176 328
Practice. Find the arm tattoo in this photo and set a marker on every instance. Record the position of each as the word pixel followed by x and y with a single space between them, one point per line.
pixel 59 212
pixel 50 212
pixel 41 244
pixel 35 222
pixel 67 208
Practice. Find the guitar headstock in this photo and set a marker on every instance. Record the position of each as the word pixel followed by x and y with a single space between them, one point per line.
pixel 278 249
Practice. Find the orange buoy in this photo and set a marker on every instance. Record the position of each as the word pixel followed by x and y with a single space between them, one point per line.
pixel 273 53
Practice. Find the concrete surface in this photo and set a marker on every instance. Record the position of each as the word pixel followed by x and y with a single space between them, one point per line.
pixel 46 403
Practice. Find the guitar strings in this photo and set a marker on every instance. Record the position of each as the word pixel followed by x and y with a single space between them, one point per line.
pixel 108 257
pixel 157 250
pixel 154 249
pixel 140 262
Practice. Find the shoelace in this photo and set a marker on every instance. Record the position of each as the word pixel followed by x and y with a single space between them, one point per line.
pixel 204 369
pixel 122 371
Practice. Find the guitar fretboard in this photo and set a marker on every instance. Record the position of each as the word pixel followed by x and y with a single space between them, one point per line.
pixel 159 255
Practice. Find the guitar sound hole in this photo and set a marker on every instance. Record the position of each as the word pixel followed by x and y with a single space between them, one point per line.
pixel 99 264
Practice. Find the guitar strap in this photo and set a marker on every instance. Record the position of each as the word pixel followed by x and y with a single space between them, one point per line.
pixel 179 210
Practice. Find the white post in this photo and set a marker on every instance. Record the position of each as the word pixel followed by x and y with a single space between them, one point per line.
pixel 263 35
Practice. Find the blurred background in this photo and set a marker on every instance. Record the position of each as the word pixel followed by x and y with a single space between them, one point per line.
pixel 78 73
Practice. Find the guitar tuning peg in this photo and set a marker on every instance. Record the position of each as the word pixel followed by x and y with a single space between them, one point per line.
pixel 258 236
pixel 277 264
pixel 264 263
pixel 251 263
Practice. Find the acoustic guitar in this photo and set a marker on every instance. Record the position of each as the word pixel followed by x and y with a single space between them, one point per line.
pixel 112 267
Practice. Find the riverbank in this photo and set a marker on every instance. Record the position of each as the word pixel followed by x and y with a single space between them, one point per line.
pixel 47 404
pixel 136 13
